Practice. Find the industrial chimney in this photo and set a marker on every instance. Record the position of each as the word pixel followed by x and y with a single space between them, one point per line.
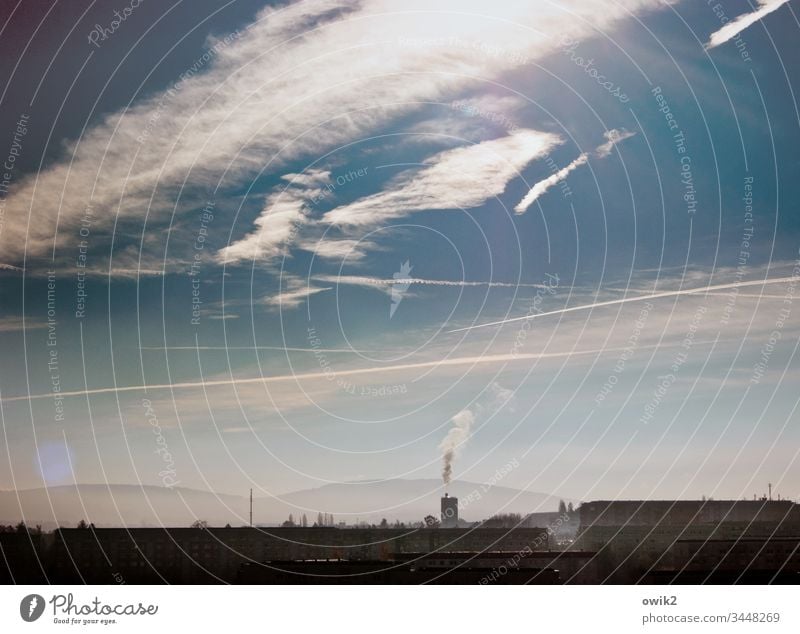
pixel 449 512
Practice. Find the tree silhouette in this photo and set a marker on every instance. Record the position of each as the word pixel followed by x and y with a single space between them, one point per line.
pixel 504 520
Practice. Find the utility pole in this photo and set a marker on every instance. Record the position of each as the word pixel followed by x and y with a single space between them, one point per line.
pixel 251 508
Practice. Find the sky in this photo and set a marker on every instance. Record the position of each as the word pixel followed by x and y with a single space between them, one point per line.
pixel 280 245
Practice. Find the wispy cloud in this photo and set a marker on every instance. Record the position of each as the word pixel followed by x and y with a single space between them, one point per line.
pixel 460 178
pixel 14 324
pixel 612 138
pixel 298 81
pixel 732 29
pixel 294 293
pixel 283 213
pixel 339 249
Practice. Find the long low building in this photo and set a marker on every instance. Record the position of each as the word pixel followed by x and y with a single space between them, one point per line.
pixel 359 572
pixel 484 568
pixel 633 539
pixel 216 555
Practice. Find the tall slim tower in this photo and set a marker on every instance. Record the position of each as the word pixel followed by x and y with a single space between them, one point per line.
pixel 449 512
pixel 251 508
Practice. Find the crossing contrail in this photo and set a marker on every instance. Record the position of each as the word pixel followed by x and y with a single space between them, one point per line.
pixel 483 359
pixel 638 298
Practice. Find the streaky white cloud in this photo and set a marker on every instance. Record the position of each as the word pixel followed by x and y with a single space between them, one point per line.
pixel 309 178
pixel 473 118
pixel 732 29
pixel 298 81
pixel 460 178
pixel 293 293
pixel 275 228
pixel 612 138
pixel 14 324
pixel 602 151
pixel 339 248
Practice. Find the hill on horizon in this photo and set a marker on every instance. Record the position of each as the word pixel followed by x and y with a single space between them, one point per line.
pixel 368 501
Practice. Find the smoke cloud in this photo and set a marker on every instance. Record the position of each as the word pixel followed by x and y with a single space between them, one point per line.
pixel 460 432
pixel 456 437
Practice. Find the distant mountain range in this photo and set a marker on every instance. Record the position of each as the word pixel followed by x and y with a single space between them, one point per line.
pixel 369 501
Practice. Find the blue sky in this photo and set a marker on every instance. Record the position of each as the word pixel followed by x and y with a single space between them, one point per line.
pixel 286 219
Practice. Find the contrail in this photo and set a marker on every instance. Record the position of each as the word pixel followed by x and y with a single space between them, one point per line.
pixel 543 185
pixel 732 29
pixel 602 151
pixel 484 359
pixel 276 348
pixel 358 280
pixel 625 300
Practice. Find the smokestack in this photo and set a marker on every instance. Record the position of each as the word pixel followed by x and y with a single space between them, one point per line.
pixel 449 512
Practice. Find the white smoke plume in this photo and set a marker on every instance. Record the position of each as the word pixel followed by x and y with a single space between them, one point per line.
pixel 461 430
pixel 455 439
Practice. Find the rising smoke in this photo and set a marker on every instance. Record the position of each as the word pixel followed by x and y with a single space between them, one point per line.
pixel 458 434
pixel 496 396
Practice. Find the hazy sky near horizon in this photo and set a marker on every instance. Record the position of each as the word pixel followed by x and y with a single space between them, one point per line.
pixel 246 243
